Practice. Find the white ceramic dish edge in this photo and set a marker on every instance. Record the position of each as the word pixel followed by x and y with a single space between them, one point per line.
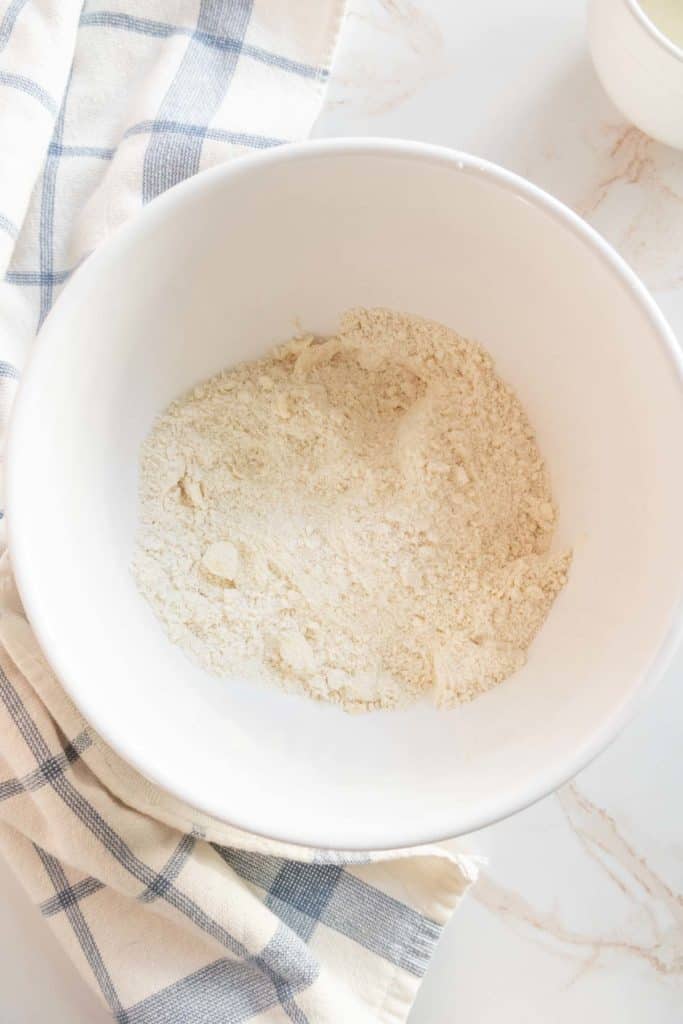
pixel 641 69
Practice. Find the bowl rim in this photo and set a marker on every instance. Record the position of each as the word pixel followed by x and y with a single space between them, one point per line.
pixel 348 836
pixel 653 30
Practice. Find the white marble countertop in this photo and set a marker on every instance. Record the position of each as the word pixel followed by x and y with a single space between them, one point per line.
pixel 579 913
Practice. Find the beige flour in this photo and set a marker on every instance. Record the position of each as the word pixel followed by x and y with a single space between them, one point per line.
pixel 362 518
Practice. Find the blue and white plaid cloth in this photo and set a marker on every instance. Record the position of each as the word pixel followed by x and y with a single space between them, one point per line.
pixel 171 916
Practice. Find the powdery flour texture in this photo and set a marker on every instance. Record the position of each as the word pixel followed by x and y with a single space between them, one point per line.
pixel 363 518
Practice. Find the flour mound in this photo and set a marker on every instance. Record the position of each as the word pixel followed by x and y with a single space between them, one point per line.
pixel 363 518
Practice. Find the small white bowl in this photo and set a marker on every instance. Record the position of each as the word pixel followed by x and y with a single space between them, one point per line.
pixel 216 271
pixel 640 68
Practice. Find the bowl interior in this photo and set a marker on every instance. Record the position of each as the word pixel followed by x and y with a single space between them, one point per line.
pixel 216 272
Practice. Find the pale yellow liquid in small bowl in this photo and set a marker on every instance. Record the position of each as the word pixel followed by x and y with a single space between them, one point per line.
pixel 667 15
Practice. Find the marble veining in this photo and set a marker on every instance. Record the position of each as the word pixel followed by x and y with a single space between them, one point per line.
pixel 378 79
pixel 642 184
pixel 653 910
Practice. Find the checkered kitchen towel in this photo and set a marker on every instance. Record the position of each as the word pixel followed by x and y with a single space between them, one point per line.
pixel 171 916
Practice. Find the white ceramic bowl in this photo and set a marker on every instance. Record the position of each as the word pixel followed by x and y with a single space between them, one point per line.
pixel 640 68
pixel 218 270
